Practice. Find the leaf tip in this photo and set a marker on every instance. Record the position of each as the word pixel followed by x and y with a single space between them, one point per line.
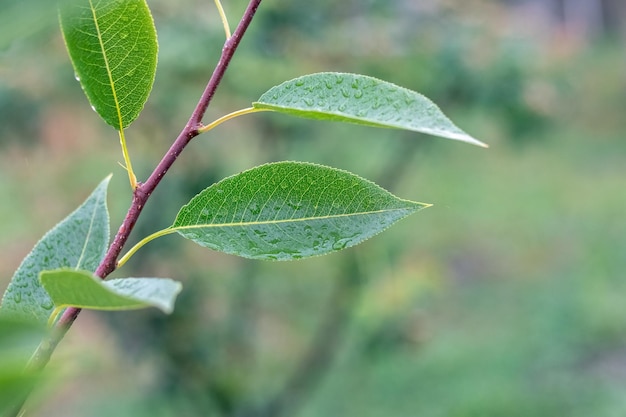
pixel 462 136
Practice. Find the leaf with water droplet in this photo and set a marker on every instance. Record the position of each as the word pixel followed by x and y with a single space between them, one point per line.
pixel 290 210
pixel 113 48
pixel 362 100
pixel 73 288
pixel 79 241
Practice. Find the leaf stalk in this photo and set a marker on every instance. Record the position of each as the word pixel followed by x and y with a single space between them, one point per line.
pixel 220 10
pixel 142 243
pixel 229 116
pixel 127 164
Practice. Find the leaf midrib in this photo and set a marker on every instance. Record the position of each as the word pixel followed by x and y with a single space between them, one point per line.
pixel 107 66
pixel 295 220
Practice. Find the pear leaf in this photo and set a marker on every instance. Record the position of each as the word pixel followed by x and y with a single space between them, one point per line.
pixel 361 100
pixel 74 288
pixel 289 210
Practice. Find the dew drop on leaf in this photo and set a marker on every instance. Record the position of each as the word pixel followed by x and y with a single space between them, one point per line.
pixel 340 244
pixel 47 305
pixel 254 209
pixel 358 94
pixel 260 233
pixel 299 83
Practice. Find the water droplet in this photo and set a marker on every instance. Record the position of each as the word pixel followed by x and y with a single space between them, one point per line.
pixel 329 85
pixel 339 79
pixel 309 102
pixel 94 108
pixel 358 94
pixel 219 191
pixel 47 304
pixel 17 298
pixel 77 77
pixel 254 209
pixel 294 205
pixel 345 93
pixel 260 233
pixel 299 83
pixel 342 107
pixel 340 243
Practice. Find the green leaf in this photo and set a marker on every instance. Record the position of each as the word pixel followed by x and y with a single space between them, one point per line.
pixel 289 210
pixel 79 241
pixel 113 48
pixel 362 100
pixel 72 288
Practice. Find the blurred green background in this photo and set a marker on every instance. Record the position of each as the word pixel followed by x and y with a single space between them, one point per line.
pixel 504 299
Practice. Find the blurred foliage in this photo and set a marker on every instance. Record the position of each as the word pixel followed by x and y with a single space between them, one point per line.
pixel 505 298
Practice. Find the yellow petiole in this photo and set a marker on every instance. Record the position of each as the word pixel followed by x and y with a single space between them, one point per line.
pixel 54 315
pixel 220 9
pixel 128 167
pixel 141 243
pixel 229 116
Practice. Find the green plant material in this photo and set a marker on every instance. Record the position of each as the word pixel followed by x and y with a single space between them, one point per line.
pixel 113 48
pixel 72 288
pixel 79 241
pixel 289 210
pixel 362 100
pixel 18 340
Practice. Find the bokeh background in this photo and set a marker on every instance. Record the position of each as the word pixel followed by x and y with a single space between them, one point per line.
pixel 506 298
